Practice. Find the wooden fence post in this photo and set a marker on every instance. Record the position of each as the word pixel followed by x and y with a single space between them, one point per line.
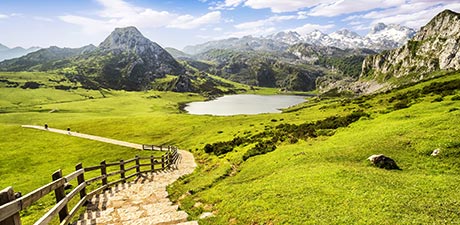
pixel 161 147
pixel 163 162
pixel 138 167
pixel 81 179
pixel 60 194
pixel 122 171
pixel 7 195
pixel 104 172
pixel 152 163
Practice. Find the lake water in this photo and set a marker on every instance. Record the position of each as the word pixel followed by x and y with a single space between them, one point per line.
pixel 244 104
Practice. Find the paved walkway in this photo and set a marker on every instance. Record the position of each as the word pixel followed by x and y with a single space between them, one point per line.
pixel 87 136
pixel 141 202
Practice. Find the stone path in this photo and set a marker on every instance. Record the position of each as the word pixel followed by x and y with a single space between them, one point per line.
pixel 141 202
pixel 87 136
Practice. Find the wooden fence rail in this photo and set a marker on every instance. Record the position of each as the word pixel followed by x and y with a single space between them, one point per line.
pixel 10 206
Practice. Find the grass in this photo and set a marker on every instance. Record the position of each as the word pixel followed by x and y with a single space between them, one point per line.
pixel 317 180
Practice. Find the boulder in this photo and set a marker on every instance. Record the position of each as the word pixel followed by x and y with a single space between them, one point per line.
pixel 384 162
pixel 436 152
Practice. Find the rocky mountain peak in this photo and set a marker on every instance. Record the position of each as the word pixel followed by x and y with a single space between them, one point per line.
pixel 444 25
pixel 128 39
pixel 377 28
pixel 347 33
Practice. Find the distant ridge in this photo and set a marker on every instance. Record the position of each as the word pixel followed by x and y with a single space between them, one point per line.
pixel 10 53
pixel 380 37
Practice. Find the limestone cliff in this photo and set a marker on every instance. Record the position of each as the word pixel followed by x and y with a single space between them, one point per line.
pixel 435 47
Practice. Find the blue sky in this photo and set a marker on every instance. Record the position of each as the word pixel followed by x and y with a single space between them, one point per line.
pixel 177 23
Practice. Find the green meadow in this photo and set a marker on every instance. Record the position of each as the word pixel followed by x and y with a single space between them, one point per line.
pixel 313 180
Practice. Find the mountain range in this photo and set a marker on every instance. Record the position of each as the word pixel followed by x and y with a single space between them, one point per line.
pixel 10 53
pixel 380 37
pixel 340 61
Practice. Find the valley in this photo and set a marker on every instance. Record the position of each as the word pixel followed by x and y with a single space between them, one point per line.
pixel 307 164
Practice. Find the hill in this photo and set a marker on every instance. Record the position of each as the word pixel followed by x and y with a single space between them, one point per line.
pixel 125 60
pixel 316 171
pixel 306 165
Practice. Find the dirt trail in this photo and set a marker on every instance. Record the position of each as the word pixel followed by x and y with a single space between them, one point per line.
pixel 141 202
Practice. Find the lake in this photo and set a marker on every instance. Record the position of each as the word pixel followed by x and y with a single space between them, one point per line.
pixel 243 104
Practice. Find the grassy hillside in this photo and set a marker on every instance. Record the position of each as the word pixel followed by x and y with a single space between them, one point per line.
pixel 323 179
pixel 327 180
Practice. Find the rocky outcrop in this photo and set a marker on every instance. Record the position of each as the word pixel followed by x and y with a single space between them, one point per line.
pixel 131 62
pixel 435 47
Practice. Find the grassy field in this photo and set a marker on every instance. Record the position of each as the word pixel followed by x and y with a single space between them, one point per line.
pixel 316 180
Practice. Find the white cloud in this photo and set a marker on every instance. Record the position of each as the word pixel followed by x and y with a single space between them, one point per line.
pixel 226 5
pixel 190 22
pixel 88 25
pixel 413 14
pixel 119 13
pixel 302 15
pixel 341 7
pixel 2 16
pixel 308 28
pixel 278 6
pixel 266 22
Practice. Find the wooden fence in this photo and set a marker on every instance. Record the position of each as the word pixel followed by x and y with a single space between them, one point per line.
pixel 10 206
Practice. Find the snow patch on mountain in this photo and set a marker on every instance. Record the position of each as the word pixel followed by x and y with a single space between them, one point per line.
pixel 380 37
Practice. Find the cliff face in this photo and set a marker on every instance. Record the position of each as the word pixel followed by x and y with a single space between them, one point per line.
pixel 435 47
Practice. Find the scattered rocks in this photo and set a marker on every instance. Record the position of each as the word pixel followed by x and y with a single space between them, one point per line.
pixel 206 215
pixel 436 152
pixel 384 162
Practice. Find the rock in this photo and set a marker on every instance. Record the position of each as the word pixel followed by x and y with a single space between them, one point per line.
pixel 206 215
pixel 384 162
pixel 436 152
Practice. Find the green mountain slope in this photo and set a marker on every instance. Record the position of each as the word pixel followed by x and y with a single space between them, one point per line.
pixel 327 179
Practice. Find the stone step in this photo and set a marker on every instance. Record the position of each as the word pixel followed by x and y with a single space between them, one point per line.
pixel 162 219
pixel 188 223
pixel 178 217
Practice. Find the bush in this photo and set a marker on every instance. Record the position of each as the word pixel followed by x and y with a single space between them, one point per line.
pixel 438 99
pixel 401 105
pixel 31 85
pixel 456 98
pixel 260 149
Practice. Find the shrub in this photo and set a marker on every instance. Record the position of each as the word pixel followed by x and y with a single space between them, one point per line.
pixel 456 98
pixel 438 99
pixel 401 105
pixel 260 149
pixel 31 85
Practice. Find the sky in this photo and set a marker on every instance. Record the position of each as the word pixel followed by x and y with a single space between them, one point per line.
pixel 178 23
